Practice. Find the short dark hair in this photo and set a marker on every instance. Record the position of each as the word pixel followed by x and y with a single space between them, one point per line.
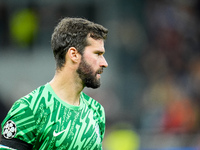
pixel 73 32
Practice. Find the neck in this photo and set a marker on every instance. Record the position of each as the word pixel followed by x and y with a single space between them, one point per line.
pixel 67 86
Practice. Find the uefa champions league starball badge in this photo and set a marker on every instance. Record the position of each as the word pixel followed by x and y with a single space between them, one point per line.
pixel 9 129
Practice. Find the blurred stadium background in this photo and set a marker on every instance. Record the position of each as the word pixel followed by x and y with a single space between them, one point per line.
pixel 151 89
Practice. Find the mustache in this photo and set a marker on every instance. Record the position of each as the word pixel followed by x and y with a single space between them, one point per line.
pixel 99 71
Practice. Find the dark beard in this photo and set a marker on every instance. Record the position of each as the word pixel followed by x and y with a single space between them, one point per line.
pixel 87 75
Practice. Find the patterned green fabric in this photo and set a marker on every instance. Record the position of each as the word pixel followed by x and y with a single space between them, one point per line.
pixel 47 122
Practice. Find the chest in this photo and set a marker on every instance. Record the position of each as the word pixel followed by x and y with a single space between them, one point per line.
pixel 69 129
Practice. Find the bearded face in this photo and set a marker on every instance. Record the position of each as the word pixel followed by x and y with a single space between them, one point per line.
pixel 88 75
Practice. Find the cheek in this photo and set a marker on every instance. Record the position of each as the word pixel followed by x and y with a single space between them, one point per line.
pixel 92 61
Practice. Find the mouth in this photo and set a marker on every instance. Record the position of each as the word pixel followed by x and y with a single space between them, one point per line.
pixel 99 72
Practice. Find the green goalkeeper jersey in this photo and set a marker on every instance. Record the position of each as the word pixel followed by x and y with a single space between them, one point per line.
pixel 42 119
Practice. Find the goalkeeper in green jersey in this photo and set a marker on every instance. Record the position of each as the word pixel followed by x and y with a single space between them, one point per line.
pixel 58 115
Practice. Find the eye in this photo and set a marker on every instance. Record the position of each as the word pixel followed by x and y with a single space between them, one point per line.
pixel 99 53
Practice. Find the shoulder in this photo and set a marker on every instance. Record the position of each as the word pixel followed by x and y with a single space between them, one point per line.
pixel 23 113
pixel 23 107
pixel 93 104
pixel 19 116
pixel 35 94
pixel 40 98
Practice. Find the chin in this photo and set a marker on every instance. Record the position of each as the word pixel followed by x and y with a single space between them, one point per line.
pixel 93 86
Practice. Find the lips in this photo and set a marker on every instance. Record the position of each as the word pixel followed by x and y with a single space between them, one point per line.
pixel 100 71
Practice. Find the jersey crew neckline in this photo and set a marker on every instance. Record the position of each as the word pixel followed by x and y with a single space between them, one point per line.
pixel 65 103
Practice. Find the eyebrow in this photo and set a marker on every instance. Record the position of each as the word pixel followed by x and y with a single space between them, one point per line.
pixel 99 51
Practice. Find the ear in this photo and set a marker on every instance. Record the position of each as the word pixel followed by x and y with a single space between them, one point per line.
pixel 73 54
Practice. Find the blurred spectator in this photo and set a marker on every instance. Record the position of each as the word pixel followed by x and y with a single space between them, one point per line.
pixel 173 43
pixel 24 27
pixel 170 101
pixel 180 117
pixel 121 137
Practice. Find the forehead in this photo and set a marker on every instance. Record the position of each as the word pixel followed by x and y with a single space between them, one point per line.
pixel 95 44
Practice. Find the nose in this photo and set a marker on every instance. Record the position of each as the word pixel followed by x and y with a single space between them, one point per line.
pixel 104 63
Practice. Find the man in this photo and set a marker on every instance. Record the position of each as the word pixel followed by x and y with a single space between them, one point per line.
pixel 59 115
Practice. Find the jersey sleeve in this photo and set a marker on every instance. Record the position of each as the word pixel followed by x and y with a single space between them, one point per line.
pixel 19 123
